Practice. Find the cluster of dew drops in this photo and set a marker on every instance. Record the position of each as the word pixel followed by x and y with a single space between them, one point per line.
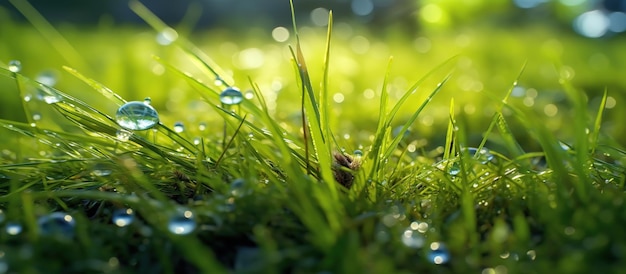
pixel 182 222
pixel 140 115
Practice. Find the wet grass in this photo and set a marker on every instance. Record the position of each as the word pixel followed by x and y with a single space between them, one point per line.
pixel 417 163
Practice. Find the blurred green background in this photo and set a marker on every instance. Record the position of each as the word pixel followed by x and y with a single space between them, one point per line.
pixel 573 40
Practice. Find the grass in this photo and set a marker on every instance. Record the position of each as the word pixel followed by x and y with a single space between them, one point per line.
pixel 489 190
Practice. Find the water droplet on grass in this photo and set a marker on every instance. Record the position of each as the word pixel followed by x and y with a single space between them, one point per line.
pixel 182 223
pixel 15 66
pixel 28 97
pixel 179 127
pixel 57 223
pixel 202 126
pixel 123 135
pixel 358 153
pixel 13 228
pixel 123 217
pixel 237 187
pixel 166 36
pixel 36 116
pixel 438 253
pixel 231 96
pixel 136 115
pixel 218 81
pixel 101 170
pixel 47 77
pixel 454 169
pixel 147 100
pixel 48 95
pixel 483 155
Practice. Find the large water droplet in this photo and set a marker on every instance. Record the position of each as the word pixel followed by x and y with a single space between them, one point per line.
pixel 231 96
pixel 123 135
pixel 123 217
pixel 136 115
pixel 179 127
pixel 13 228
pixel 59 223
pixel 182 223
pixel 438 253
pixel 412 238
pixel 15 66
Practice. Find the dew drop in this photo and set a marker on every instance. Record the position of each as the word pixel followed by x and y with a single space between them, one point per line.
pixel 454 169
pixel 15 66
pixel 123 135
pixel 48 95
pixel 136 115
pixel 57 223
pixel 358 153
pixel 218 81
pixel 412 238
pixel 182 223
pixel 179 127
pixel 36 116
pixel 101 170
pixel 231 96
pixel 123 217
pixel 47 77
pixel 147 100
pixel 438 253
pixel 13 228
pixel 483 155
pixel 166 36
pixel 197 141
pixel 202 126
pixel 28 97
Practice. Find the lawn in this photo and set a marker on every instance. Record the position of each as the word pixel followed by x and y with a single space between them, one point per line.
pixel 477 149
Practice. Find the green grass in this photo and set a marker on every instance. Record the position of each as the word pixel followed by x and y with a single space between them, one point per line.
pixel 458 172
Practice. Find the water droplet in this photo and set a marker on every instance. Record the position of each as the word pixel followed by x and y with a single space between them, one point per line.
pixel 28 97
pixel 2 216
pixel 166 36
pixel 57 223
pixel 231 96
pixel 147 100
pixel 36 116
pixel 358 153
pixel 101 170
pixel 197 141
pixel 483 155
pixel 438 253
pixel 123 135
pixel 218 81
pixel 47 77
pixel 136 115
pixel 412 238
pixel 48 95
pixel 123 217
pixel 13 228
pixel 182 223
pixel 15 66
pixel 179 127
pixel 454 169
pixel 202 126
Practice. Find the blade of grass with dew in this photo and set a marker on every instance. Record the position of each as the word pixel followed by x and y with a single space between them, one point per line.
pixel 106 92
pixel 583 160
pixel 498 120
pixel 396 140
pixel 58 42
pixel 598 123
pixel 381 128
